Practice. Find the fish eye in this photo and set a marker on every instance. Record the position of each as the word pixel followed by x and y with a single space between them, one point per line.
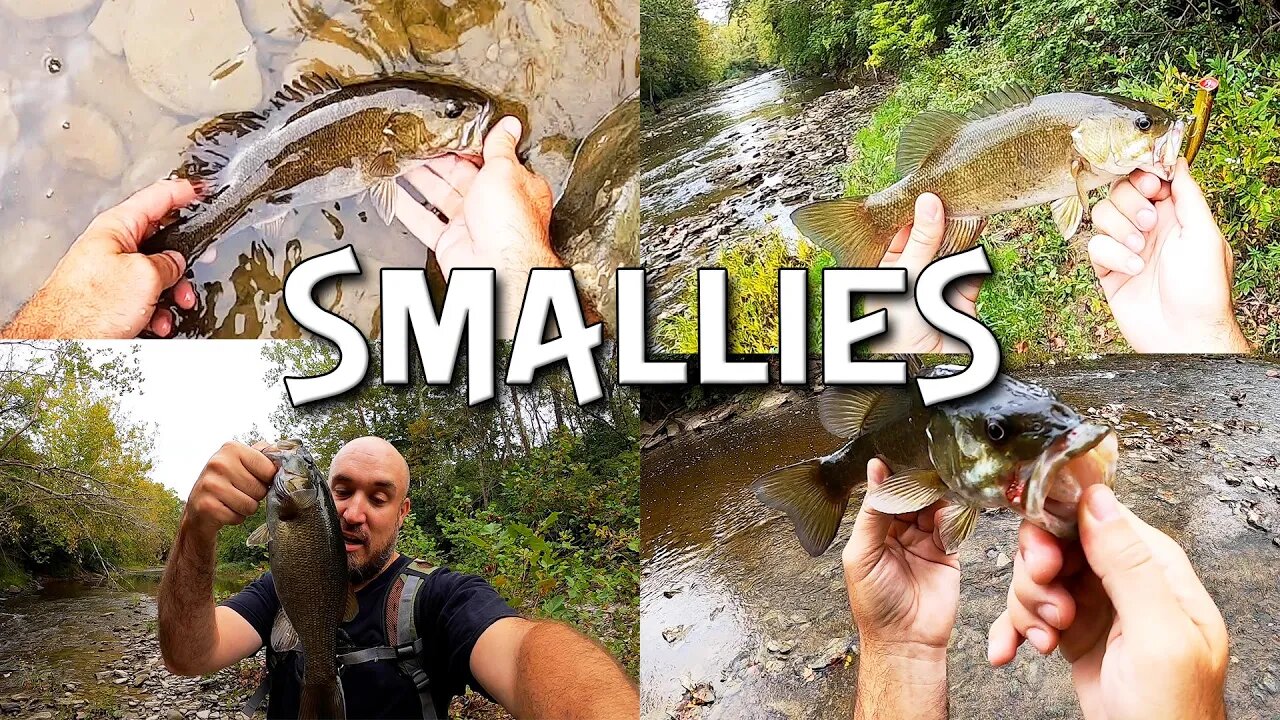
pixel 452 108
pixel 996 430
pixel 1143 123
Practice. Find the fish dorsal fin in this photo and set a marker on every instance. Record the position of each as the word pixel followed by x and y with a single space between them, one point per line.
pixel 283 637
pixel 848 412
pixel 927 131
pixel 259 537
pixel 907 491
pixel 306 87
pixel 956 524
pixel 1013 95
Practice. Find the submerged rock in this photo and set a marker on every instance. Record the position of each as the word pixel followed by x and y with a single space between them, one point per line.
pixel 108 26
pixel 8 121
pixel 41 9
pixel 203 63
pixel 84 140
pixel 328 58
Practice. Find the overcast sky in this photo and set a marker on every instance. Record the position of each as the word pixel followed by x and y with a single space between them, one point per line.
pixel 716 11
pixel 198 394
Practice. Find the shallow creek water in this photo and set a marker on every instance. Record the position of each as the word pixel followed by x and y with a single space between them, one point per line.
pixel 757 610
pixel 98 97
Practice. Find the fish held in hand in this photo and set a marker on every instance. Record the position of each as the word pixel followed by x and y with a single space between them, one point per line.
pixel 1011 151
pixel 1013 445
pixel 309 567
pixel 317 142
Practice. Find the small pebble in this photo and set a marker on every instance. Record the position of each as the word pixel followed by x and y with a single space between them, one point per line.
pixel 53 65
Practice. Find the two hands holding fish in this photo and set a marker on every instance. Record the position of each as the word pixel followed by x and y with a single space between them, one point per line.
pixel 1122 604
pixel 498 215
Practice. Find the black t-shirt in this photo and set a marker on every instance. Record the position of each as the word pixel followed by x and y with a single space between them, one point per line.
pixel 453 610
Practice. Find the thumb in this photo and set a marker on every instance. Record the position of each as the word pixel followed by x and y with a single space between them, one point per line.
pixel 871 526
pixel 169 266
pixel 1118 555
pixel 926 233
pixel 501 142
pixel 1188 201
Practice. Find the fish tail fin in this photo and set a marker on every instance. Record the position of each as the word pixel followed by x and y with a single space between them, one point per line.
pixel 322 700
pixel 846 228
pixel 814 494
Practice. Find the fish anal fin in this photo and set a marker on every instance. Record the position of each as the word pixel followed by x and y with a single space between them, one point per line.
pixel 352 608
pixel 813 506
pixel 955 525
pixel 383 195
pixel 1010 96
pixel 848 412
pixel 925 132
pixel 907 491
pixel 960 234
pixel 283 637
pixel 845 228
pixel 1067 214
pixel 259 537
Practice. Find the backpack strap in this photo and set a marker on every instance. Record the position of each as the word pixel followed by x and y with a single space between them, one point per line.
pixel 409 645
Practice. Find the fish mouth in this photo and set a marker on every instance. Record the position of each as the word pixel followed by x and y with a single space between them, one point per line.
pixel 1168 147
pixel 1084 456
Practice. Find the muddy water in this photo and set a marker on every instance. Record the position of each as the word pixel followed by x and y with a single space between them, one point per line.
pixel 97 98
pixel 739 581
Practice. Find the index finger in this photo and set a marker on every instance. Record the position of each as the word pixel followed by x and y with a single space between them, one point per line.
pixel 1148 184
pixel 259 465
pixel 1041 554
pixel 130 222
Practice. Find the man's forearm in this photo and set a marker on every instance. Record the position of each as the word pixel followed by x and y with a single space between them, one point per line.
pixel 188 628
pixel 898 681
pixel 558 667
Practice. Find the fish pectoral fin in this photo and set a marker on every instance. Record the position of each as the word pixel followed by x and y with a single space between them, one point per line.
pixel 259 537
pixel 925 132
pixel 812 506
pixel 907 491
pixel 383 194
pixel 352 608
pixel 283 637
pixel 997 101
pixel 384 165
pixel 845 228
pixel 955 525
pixel 848 412
pixel 960 234
pixel 1067 214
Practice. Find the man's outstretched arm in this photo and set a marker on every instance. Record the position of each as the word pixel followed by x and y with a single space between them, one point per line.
pixel 545 669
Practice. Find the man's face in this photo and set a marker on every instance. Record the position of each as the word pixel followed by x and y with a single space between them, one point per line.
pixel 369 483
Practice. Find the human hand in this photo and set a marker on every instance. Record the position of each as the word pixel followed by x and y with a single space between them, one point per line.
pixel 904 590
pixel 1164 266
pixel 103 288
pixel 497 216
pixel 230 487
pixel 1125 608
pixel 913 248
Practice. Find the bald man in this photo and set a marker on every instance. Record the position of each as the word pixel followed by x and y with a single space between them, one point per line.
pixel 469 635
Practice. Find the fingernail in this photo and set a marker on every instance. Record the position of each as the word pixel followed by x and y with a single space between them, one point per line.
pixel 1146 219
pixel 1134 265
pixel 991 651
pixel 1135 242
pixel 1040 639
pixel 1149 184
pixel 1102 504
pixel 512 125
pixel 1050 614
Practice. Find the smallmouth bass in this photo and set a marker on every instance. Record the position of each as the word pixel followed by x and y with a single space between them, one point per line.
pixel 309 568
pixel 1011 151
pixel 1013 445
pixel 318 142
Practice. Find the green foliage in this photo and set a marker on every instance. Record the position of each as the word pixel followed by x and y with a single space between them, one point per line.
pixel 752 267
pixel 674 60
pixel 231 541
pixel 74 486
pixel 900 32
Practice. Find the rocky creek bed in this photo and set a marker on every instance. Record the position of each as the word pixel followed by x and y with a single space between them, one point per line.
pixel 739 622
pixel 767 155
